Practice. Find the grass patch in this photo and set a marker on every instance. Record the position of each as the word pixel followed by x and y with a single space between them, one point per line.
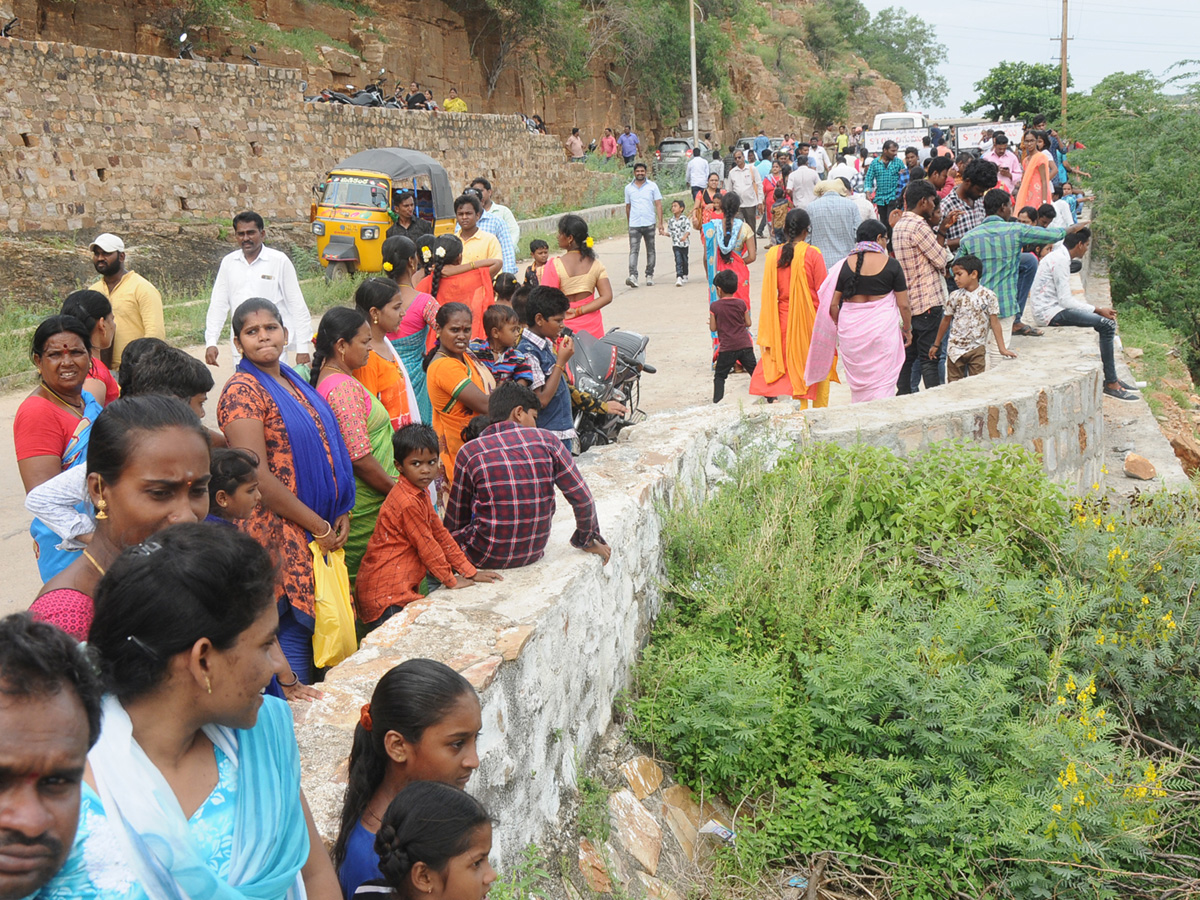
pixel 1162 364
pixel 526 880
pixel 594 822
pixel 184 312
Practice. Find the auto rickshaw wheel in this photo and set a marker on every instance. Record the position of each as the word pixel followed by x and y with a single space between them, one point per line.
pixel 336 271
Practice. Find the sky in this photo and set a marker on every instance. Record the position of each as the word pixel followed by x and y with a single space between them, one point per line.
pixel 1106 36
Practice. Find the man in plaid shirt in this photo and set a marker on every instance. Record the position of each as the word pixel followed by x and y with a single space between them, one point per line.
pixel 882 183
pixel 974 181
pixel 923 256
pixel 502 500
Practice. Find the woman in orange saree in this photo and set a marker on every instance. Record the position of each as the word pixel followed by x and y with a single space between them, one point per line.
pixel 792 275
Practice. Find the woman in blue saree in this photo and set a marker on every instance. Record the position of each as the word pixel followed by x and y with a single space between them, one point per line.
pixel 193 789
pixel 54 422
pixel 729 244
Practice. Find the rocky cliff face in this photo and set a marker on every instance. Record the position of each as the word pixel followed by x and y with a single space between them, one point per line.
pixel 430 43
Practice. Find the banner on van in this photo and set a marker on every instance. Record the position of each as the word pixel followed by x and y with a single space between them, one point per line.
pixel 905 137
pixel 970 136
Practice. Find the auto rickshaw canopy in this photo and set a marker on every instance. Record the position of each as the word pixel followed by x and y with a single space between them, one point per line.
pixel 399 164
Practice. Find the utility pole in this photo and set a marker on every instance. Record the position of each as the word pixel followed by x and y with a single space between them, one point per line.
pixel 1063 76
pixel 695 102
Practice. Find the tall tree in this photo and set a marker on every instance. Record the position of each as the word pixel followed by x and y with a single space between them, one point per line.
pixel 902 49
pixel 1017 90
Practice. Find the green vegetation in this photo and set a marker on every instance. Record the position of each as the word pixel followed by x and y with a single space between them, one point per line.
pixel 1145 220
pixel 1017 91
pixel 939 667
pixel 184 310
pixel 827 101
pixel 526 880
pixel 593 817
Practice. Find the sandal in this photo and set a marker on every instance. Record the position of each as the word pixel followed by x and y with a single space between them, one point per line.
pixel 1024 330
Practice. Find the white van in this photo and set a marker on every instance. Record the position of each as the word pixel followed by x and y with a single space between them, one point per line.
pixel 896 121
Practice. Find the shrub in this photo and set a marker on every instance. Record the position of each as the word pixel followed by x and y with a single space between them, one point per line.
pixel 938 662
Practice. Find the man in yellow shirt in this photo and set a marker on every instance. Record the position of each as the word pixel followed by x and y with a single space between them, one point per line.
pixel 137 304
pixel 478 245
pixel 454 103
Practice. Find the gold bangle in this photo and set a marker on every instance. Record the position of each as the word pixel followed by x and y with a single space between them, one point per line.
pixel 328 532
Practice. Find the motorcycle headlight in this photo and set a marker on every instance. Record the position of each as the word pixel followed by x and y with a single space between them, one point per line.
pixel 590 385
pixel 370 233
pixel 318 228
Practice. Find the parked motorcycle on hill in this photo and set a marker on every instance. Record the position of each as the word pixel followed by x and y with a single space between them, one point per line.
pixel 7 30
pixel 185 47
pixel 604 370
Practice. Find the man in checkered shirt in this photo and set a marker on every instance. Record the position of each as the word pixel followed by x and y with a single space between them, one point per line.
pixel 977 179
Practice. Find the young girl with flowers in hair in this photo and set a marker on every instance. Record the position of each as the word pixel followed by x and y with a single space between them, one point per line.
pixel 420 726
pixel 453 281
pixel 580 275
pixel 402 262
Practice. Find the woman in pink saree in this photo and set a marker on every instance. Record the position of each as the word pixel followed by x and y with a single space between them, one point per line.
pixel 863 316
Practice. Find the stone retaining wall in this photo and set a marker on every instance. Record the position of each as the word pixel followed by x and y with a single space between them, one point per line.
pixel 551 647
pixel 94 139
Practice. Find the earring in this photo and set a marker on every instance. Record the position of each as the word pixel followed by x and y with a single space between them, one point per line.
pixel 101 513
pixel 208 683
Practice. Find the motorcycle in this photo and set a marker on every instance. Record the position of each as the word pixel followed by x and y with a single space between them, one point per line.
pixel 604 370
pixel 185 47
pixel 7 30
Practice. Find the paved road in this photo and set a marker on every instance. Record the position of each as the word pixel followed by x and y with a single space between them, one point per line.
pixel 674 318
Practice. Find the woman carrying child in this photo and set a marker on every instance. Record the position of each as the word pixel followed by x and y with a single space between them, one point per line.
pixel 420 726
pixel 418 314
pixel 792 277
pixel 729 244
pixel 864 315
pixel 341 348
pixel 453 281
pixel 381 303
pixel 135 441
pixel 580 275
pixel 708 201
pixel 458 382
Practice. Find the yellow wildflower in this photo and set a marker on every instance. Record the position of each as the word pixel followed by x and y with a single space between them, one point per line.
pixel 1057 807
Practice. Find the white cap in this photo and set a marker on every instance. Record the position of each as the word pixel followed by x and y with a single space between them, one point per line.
pixel 108 243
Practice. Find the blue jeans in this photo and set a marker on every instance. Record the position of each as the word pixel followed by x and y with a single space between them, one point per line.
pixel 1025 274
pixel 1106 328
pixel 681 261
pixel 637 234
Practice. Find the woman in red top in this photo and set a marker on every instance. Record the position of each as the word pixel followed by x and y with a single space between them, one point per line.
pixel 95 311
pixel 52 425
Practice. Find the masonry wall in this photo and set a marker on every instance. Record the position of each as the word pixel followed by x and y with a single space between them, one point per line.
pixel 92 139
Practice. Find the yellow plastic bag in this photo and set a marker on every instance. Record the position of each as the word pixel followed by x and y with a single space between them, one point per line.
pixel 334 638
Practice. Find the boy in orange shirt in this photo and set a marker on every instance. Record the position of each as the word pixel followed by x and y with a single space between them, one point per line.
pixel 409 538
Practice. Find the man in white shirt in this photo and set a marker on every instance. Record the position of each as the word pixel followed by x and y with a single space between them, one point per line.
pixel 842 169
pixel 697 172
pixel 1055 305
pixel 817 154
pixel 501 212
pixel 745 181
pixel 257 271
pixel 802 183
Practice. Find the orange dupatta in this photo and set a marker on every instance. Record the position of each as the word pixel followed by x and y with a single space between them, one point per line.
pixel 802 315
pixel 1035 183
pixel 474 288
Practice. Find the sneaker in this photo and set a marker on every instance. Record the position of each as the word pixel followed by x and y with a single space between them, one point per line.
pixel 649 281
pixel 1121 394
pixel 685 279
pixel 631 281
pixel 1128 387
pixel 679 281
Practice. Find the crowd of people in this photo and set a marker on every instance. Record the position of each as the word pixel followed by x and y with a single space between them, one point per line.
pixel 419 436
pixel 909 266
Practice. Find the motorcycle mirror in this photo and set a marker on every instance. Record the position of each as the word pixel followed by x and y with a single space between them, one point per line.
pixel 253 49
pixel 183 37
pixel 303 86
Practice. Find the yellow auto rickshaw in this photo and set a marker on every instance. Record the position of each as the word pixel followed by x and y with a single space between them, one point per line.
pixel 355 206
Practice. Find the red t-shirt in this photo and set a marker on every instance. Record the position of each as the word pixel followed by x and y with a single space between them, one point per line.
pixel 43 428
pixel 101 372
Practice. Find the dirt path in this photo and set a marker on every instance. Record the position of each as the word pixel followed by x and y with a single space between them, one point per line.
pixel 674 318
